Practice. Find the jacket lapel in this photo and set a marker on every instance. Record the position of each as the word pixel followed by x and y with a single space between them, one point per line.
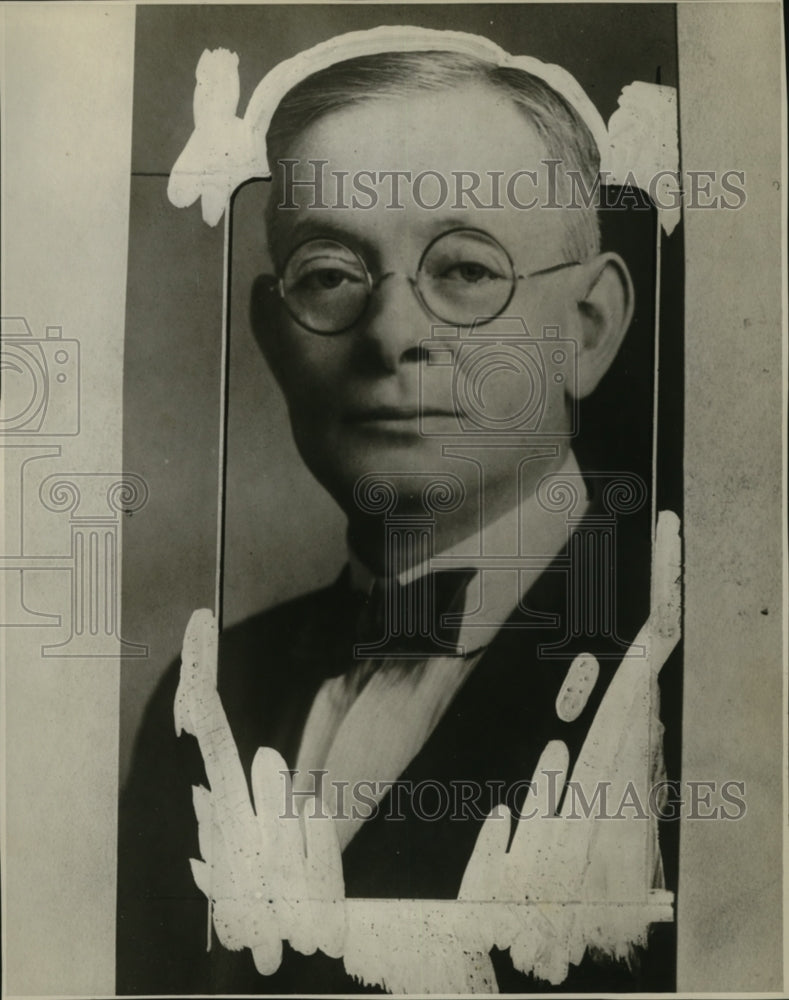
pixel 488 743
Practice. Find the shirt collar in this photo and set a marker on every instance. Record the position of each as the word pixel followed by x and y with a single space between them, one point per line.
pixel 492 595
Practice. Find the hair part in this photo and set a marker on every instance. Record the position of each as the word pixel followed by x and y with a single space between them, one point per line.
pixel 566 136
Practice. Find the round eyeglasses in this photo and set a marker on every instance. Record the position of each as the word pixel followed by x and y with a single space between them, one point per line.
pixel 465 277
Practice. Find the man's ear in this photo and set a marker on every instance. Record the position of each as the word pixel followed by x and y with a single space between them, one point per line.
pixel 264 316
pixel 605 311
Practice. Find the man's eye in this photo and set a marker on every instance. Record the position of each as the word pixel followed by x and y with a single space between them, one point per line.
pixel 471 272
pixel 326 279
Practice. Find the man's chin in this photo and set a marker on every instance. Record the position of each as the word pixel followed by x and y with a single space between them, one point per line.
pixel 409 466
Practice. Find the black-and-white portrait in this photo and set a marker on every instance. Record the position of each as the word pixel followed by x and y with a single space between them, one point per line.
pixel 441 758
pixel 418 687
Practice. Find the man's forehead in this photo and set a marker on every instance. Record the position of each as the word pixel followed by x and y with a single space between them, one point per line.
pixel 408 167
pixel 470 128
pixel 533 239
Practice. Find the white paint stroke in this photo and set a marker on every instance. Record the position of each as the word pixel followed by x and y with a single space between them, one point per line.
pixel 566 884
pixel 638 147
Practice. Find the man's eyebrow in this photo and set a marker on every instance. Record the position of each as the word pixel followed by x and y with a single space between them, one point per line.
pixel 461 218
pixel 286 236
pixel 315 226
pixel 322 225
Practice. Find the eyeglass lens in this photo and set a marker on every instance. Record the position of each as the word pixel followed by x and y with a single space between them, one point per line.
pixel 463 275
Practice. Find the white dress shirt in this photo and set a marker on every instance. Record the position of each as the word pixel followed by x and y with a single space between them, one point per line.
pixel 369 723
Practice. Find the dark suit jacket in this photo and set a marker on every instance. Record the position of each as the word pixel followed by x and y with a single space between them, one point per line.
pixel 271 667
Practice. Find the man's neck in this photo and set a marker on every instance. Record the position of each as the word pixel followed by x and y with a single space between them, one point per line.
pixel 509 521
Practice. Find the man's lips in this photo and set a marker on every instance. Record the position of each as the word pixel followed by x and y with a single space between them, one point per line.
pixel 385 414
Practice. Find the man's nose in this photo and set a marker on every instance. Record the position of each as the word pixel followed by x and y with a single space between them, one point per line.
pixel 395 323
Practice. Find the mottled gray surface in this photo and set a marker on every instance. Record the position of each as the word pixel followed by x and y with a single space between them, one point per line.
pixel 730 893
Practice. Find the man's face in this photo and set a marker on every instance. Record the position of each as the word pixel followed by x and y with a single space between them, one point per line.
pixel 366 400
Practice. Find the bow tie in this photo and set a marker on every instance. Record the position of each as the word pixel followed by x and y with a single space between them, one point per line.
pixel 408 620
